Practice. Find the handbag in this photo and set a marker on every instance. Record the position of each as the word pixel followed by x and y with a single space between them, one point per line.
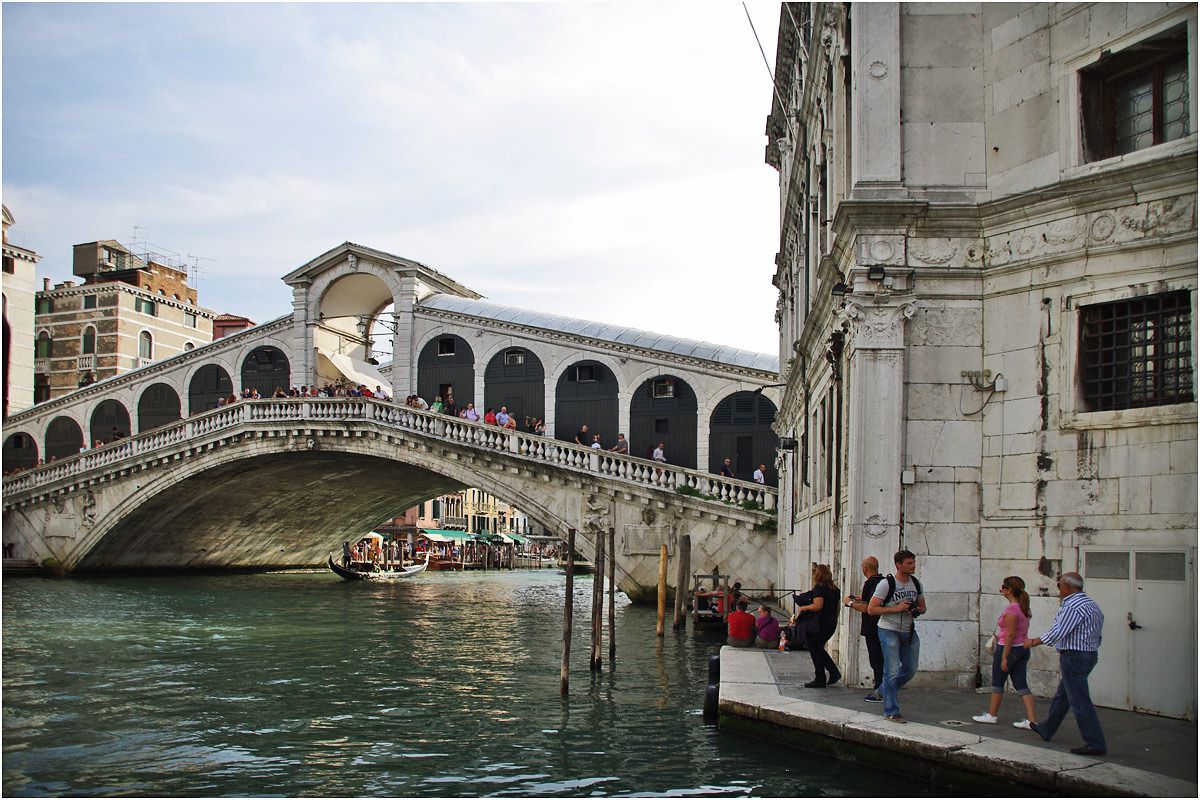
pixel 990 645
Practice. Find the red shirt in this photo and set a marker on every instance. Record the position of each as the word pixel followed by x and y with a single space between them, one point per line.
pixel 742 625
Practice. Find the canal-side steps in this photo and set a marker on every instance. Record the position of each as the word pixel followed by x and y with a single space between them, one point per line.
pixel 762 695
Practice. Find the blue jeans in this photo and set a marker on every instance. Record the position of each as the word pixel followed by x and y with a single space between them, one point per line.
pixel 1018 666
pixel 901 653
pixel 1073 694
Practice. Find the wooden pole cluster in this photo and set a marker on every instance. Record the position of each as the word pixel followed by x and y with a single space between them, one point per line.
pixel 683 566
pixel 568 614
pixel 612 593
pixel 662 590
pixel 598 603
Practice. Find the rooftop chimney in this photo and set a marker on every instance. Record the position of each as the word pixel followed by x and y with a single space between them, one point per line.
pixel 45 284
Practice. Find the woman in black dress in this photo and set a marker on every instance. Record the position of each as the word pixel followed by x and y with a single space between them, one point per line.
pixel 821 621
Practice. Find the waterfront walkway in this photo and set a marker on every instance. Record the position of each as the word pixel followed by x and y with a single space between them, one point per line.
pixel 762 694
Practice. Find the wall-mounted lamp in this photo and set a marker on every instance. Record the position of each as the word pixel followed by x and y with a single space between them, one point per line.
pixel 876 272
pixel 839 289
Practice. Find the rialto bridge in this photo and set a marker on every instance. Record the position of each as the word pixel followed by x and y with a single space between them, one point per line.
pixel 273 483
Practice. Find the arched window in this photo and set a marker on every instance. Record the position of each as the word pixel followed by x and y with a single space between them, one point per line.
pixel 89 341
pixel 145 345
pixel 44 345
pixel 188 346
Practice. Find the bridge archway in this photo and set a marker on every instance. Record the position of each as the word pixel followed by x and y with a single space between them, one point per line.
pixel 63 438
pixel 108 418
pixel 159 405
pixel 266 368
pixel 587 394
pixel 516 378
pixel 210 383
pixel 447 360
pixel 740 429
pixel 20 452
pixel 663 409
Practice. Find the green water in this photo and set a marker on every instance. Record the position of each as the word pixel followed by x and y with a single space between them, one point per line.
pixel 302 684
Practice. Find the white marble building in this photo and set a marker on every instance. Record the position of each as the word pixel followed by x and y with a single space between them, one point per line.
pixel 986 277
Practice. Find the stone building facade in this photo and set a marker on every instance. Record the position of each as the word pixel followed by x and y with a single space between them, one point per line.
pixel 128 312
pixel 987 275
pixel 20 286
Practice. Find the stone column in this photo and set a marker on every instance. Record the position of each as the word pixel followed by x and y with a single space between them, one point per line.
pixel 404 360
pixel 875 142
pixel 303 365
pixel 874 396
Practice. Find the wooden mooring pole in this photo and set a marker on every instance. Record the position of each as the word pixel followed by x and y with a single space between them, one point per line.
pixel 612 593
pixel 683 561
pixel 568 614
pixel 598 604
pixel 662 590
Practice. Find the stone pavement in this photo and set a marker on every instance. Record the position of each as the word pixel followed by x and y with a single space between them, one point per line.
pixel 1148 755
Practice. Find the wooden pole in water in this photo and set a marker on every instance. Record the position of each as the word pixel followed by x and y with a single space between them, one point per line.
pixel 725 599
pixel 662 589
pixel 598 604
pixel 684 565
pixel 612 593
pixel 568 613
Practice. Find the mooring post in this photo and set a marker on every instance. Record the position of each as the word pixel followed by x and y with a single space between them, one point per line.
pixel 662 589
pixel 598 603
pixel 725 599
pixel 683 564
pixel 612 593
pixel 568 613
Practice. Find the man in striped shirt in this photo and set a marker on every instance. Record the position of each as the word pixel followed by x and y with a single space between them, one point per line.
pixel 1076 635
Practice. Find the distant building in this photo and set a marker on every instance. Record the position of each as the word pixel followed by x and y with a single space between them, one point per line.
pixel 130 311
pixel 20 286
pixel 987 285
pixel 226 324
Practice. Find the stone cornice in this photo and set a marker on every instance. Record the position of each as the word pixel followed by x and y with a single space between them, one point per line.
pixel 114 287
pixel 603 345
pixel 138 375
pixel 20 252
pixel 346 250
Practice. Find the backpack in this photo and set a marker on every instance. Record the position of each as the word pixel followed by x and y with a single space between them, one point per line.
pixel 891 581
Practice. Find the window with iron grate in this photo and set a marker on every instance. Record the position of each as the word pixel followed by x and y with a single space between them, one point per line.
pixel 1137 352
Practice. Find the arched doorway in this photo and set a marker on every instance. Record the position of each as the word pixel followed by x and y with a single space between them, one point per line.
pixel 266 368
pixel 110 418
pixel 20 452
pixel 740 429
pixel 515 378
pixel 209 384
pixel 587 395
pixel 663 409
pixel 447 366
pixel 158 406
pixel 63 438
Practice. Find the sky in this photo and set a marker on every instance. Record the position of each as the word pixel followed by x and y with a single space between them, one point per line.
pixel 598 160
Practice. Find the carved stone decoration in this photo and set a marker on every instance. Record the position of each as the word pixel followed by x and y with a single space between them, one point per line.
pixel 834 347
pixel 874 526
pixel 1156 217
pixel 88 507
pixel 649 516
pixel 973 254
pixel 875 249
pixel 877 327
pixel 1064 232
pixel 877 70
pixel 310 444
pixel 352 262
pixel 932 252
pixel 1102 227
pixel 595 514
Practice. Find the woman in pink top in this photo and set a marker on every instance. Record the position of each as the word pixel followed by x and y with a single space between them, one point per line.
pixel 1011 659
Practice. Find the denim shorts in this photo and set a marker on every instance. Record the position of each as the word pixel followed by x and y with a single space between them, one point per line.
pixel 1018 664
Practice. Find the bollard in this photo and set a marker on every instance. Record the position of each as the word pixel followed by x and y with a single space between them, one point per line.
pixel 662 589
pixel 597 604
pixel 612 593
pixel 568 613
pixel 683 559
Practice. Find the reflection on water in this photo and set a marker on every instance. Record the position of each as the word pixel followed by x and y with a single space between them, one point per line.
pixel 303 684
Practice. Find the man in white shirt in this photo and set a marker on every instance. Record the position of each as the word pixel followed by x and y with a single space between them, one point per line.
pixel 760 474
pixel 659 455
pixel 897 601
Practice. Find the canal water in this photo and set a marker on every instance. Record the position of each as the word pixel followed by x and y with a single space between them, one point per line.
pixel 302 684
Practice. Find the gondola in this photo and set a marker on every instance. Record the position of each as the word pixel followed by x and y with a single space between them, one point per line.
pixel 365 571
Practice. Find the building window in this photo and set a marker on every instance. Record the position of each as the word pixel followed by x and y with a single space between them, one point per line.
pixel 44 346
pixel 1136 353
pixel 89 301
pixel 446 346
pixel 514 358
pixel 41 388
pixel 189 319
pixel 662 388
pixel 662 427
pixel 45 305
pixel 144 305
pixel 585 373
pixel 89 341
pixel 145 345
pixel 188 346
pixel 10 265
pixel 1136 98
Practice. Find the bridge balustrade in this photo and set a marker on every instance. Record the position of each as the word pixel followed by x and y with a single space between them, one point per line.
pixel 480 435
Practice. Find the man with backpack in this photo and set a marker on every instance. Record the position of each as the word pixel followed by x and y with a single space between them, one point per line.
pixel 898 600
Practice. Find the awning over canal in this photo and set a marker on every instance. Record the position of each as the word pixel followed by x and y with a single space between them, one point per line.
pixel 448 536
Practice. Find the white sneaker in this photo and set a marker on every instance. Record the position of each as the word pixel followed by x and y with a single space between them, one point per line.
pixel 1023 724
pixel 986 718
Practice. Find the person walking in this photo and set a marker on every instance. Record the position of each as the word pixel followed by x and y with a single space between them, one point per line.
pixel 898 601
pixel 727 468
pixel 1010 661
pixel 1076 635
pixel 820 625
pixel 869 628
pixel 760 474
pixel 659 454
